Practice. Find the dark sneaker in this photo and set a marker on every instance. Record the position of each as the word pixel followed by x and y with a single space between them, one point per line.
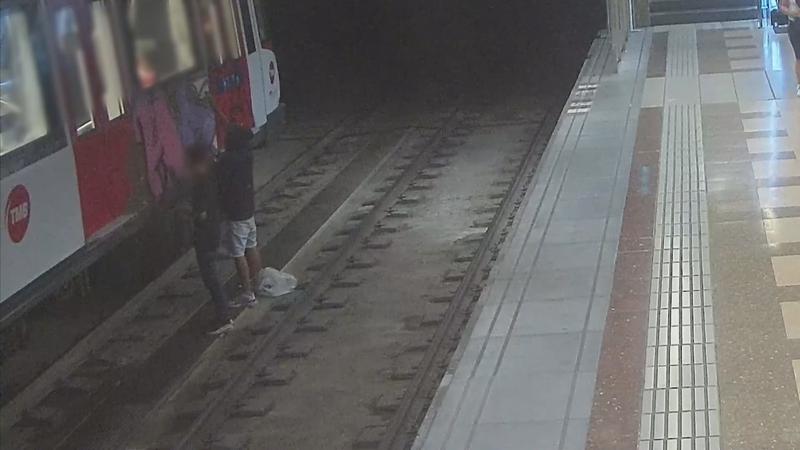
pixel 247 299
pixel 226 327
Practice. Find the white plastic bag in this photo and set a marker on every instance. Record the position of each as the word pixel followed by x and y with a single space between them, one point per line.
pixel 274 283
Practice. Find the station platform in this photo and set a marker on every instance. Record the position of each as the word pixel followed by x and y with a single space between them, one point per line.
pixel 648 294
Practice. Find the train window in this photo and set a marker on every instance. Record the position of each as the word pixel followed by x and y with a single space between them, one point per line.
pixel 73 69
pixel 107 60
pixel 22 113
pixel 162 39
pixel 247 24
pixel 219 29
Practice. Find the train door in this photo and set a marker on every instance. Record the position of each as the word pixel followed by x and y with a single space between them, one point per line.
pixel 258 86
pixel 98 121
pixel 269 63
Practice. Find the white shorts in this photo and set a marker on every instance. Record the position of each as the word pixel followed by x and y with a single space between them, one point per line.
pixel 241 235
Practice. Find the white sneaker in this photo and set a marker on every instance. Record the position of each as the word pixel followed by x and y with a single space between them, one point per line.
pixel 798 89
pixel 226 327
pixel 246 299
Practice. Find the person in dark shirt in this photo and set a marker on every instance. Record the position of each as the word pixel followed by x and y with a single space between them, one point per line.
pixel 238 208
pixel 207 220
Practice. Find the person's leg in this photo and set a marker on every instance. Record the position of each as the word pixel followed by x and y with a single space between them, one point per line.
pixel 251 251
pixel 243 271
pixel 794 38
pixel 253 261
pixel 208 273
pixel 237 243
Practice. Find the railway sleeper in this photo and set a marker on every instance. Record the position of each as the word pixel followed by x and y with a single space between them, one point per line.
pixel 347 231
pixel 360 214
pixel 498 195
pixel 447 144
pixel 313 325
pixel 299 182
pixel 454 275
pixel 429 174
pixel 416 148
pixel 332 247
pixel 312 171
pixel 438 162
pixel 402 167
pixel 295 350
pixel 257 406
pixel 95 366
pixel 420 186
pixel 341 282
pixel 354 263
pixel 462 131
pixel 269 208
pixel 327 303
pixel 432 318
pixel 408 199
pixel 369 437
pixel 272 375
pixel 318 266
pixel 187 412
pixel 393 213
pixel 483 223
pixel 228 441
pixel 76 385
pixel 466 256
pixel 376 243
pixel 384 188
pixel 239 356
pixel 405 368
pixel 420 344
pixel 387 403
pixel 472 238
pixel 260 329
pixel 286 194
pixel 382 228
pixel 42 417
pixel 213 385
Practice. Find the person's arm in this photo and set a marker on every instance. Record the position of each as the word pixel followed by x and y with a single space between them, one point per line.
pixel 786 8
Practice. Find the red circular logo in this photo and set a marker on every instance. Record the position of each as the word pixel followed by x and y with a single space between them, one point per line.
pixel 18 213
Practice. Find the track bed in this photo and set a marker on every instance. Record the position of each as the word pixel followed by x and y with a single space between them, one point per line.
pixel 389 223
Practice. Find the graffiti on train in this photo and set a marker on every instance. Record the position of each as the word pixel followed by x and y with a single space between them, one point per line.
pixel 169 120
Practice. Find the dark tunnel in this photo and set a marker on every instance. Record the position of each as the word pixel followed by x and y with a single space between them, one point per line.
pixel 355 50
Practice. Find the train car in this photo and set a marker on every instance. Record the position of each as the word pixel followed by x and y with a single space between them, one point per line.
pixel 98 101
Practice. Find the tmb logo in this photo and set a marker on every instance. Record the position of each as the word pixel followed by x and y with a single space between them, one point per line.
pixel 18 213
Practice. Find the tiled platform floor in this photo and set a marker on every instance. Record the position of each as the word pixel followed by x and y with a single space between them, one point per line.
pixel 649 294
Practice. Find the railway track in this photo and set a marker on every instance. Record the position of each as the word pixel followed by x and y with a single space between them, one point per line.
pixel 240 393
pixel 112 359
pixel 390 222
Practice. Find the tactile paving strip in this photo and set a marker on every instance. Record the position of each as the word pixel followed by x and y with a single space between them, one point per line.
pixel 680 405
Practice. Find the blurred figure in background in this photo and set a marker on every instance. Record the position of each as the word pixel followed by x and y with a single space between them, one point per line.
pixel 207 220
pixel 238 207
pixel 792 11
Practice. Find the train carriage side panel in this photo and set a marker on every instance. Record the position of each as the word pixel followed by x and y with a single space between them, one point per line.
pixel 41 223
